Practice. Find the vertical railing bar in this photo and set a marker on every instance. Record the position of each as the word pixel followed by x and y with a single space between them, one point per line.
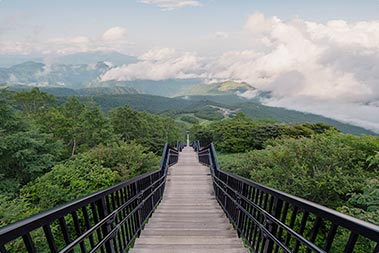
pixel 119 195
pixel 292 223
pixel 314 232
pixel 301 230
pixel 257 232
pixel 276 210
pixel 29 244
pixel 50 238
pixel 351 243
pixel 283 219
pixel 63 225
pixel 87 223
pixel 330 238
pixel 96 219
pixel 106 228
pixel 251 211
pixel 117 238
pixel 78 230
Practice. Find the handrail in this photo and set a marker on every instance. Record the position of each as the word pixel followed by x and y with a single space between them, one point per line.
pixel 108 220
pixel 270 220
pixel 179 146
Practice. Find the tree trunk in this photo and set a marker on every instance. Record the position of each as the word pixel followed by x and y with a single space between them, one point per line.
pixel 73 147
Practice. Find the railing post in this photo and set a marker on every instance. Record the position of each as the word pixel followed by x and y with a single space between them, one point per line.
pixel 238 199
pixel 138 216
pixel 106 229
pixel 272 226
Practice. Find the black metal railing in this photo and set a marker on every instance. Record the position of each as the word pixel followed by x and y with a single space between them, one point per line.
pixel 196 145
pixel 179 146
pixel 273 221
pixel 107 221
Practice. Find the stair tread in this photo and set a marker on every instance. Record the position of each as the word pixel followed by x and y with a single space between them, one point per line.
pixel 189 218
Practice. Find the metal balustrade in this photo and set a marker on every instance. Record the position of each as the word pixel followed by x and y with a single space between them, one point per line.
pixel 106 221
pixel 273 221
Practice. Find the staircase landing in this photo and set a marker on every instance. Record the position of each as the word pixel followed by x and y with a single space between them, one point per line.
pixel 188 219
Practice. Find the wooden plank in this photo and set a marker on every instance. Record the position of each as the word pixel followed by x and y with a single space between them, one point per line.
pixel 189 218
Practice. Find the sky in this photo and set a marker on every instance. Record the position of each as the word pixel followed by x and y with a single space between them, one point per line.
pixel 314 56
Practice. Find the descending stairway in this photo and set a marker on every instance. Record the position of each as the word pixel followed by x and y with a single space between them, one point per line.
pixel 189 218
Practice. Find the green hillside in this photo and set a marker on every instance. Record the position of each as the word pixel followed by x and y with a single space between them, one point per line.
pixel 62 91
pixel 225 88
pixel 166 88
pixel 141 102
pixel 177 107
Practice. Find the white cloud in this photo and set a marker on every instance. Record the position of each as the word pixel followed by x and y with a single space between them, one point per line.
pixel 169 5
pixel 257 23
pixel 115 34
pixel 157 64
pixel 363 115
pixel 113 39
pixel 330 69
pixel 293 56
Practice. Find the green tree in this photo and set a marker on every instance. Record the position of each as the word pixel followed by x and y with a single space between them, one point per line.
pixel 32 102
pixel 128 159
pixel 78 126
pixel 25 153
pixel 150 130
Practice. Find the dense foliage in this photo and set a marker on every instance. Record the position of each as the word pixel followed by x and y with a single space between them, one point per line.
pixel 313 161
pixel 241 133
pixel 52 153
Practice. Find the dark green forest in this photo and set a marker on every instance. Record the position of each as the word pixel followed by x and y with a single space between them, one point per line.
pixel 311 160
pixel 54 150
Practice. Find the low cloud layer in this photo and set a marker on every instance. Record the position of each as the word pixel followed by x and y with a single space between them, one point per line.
pixel 169 5
pixel 157 64
pixel 330 69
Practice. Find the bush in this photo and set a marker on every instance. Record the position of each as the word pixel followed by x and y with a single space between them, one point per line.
pixel 325 168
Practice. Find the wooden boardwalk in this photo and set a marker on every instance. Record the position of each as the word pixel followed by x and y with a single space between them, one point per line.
pixel 188 219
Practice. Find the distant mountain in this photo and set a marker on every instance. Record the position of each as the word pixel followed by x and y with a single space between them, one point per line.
pixel 89 58
pixel 8 60
pixel 84 79
pixel 39 74
pixel 241 89
pixel 61 91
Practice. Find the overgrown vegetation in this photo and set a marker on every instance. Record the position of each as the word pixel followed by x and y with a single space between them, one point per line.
pixel 52 153
pixel 313 161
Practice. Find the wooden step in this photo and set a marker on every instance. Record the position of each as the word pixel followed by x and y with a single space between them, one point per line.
pixel 189 218
pixel 188 240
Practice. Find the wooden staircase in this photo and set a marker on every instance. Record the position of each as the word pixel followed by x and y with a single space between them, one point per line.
pixel 188 219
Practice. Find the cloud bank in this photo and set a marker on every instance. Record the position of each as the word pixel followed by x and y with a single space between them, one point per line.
pixel 157 64
pixel 330 69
